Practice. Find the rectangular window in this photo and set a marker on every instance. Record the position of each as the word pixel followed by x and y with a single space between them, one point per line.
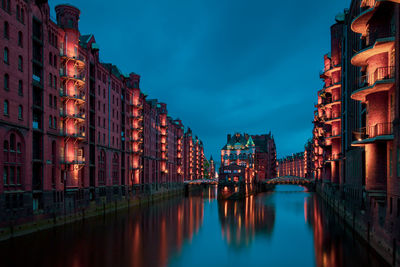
pixel 12 175
pixel 5 175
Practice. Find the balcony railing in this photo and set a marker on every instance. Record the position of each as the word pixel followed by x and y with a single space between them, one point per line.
pixel 78 57
pixel 380 74
pixel 371 37
pixel 74 160
pixel 80 96
pixel 78 76
pixel 379 129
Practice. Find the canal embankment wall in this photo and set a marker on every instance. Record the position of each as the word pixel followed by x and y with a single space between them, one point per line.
pixel 100 208
pixel 362 225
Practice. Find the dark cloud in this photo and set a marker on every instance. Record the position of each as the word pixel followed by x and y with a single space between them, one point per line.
pixel 221 66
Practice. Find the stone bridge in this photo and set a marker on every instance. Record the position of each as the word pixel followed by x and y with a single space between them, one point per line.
pixel 292 180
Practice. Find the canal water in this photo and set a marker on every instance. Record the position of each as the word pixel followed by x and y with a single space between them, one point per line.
pixel 287 227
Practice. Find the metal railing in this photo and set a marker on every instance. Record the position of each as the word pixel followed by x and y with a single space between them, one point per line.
pixel 378 129
pixel 371 37
pixel 380 74
pixel 77 57
pixel 78 76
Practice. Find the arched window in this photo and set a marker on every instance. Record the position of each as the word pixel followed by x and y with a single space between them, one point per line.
pixel 20 39
pixel 6 148
pixel 6 30
pixel 8 6
pixel 6 56
pixel 50 121
pixel 22 17
pixel 20 63
pixel 55 61
pixel 55 102
pixel 5 108
pixel 20 88
pixel 51 59
pixel 19 147
pixel 18 12
pixel 3 4
pixel 20 114
pixel 5 145
pixel 6 82
pixel 12 142
pixel 55 122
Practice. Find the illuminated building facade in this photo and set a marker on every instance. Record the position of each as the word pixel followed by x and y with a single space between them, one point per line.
pixel 299 164
pixel 238 159
pixel 293 165
pixel 265 157
pixel 356 132
pixel 327 122
pixel 75 130
pixel 193 162
pixel 248 158
pixel 211 168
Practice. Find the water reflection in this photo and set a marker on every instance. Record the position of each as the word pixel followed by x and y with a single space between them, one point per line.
pixel 242 220
pixel 336 244
pixel 148 236
pixel 288 227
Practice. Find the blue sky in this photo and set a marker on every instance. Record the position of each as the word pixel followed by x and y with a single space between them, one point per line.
pixel 222 66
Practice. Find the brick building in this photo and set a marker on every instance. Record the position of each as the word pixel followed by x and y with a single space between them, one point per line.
pixel 356 130
pixel 248 158
pixel 74 129
pixel 293 165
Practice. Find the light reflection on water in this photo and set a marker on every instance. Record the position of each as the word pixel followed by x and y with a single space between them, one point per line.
pixel 288 227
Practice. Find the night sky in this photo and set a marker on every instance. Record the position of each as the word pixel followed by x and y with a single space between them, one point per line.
pixel 222 66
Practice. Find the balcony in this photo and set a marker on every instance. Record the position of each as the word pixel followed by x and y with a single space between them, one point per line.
pixel 382 79
pixel 329 88
pixel 79 60
pixel 359 24
pixel 81 98
pixel 378 132
pixel 79 78
pixel 136 140
pixel 335 116
pixel 77 135
pixel 73 161
pixel 331 101
pixel 333 157
pixel 333 135
pixel 374 44
pixel 80 117
pixel 328 72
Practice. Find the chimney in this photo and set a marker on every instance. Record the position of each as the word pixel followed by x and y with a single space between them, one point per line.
pixel 229 138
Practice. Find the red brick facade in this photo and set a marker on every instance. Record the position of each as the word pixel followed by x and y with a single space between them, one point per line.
pixel 74 129
pixel 248 158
